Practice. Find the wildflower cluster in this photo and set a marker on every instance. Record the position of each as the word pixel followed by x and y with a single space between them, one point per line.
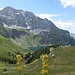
pixel 19 62
pixel 45 64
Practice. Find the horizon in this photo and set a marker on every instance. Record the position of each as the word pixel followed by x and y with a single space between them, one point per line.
pixel 60 12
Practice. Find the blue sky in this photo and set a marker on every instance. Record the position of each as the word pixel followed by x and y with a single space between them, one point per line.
pixel 60 12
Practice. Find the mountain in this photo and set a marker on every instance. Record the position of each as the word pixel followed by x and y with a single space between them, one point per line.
pixel 73 35
pixel 29 30
pixel 13 18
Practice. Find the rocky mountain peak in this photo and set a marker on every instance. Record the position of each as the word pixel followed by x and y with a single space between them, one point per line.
pixel 8 11
pixel 43 28
pixel 22 18
pixel 9 8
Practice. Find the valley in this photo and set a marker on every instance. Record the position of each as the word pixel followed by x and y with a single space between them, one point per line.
pixel 29 36
pixel 62 64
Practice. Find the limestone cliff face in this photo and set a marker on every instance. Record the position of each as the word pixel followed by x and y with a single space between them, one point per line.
pixel 12 19
pixel 56 37
pixel 16 33
pixel 10 16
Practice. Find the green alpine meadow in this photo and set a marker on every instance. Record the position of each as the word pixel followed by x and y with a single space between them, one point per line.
pixel 30 45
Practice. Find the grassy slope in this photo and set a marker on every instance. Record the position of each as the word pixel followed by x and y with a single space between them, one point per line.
pixel 64 64
pixel 64 61
pixel 28 40
pixel 7 47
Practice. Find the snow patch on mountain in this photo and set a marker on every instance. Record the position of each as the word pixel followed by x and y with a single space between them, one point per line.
pixel 37 31
pixel 17 13
pixel 15 26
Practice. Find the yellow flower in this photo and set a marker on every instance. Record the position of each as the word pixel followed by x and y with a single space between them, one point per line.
pixel 19 68
pixel 45 57
pixel 46 60
pixel 44 71
pixel 19 62
pixel 20 59
pixel 45 65
pixel 18 56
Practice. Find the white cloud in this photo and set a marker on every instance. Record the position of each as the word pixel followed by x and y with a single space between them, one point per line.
pixel 48 16
pixel 1 8
pixel 67 3
pixel 67 25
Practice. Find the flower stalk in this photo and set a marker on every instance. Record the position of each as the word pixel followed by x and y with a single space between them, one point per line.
pixel 45 64
pixel 19 63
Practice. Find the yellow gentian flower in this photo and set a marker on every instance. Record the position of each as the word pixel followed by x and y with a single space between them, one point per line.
pixel 19 68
